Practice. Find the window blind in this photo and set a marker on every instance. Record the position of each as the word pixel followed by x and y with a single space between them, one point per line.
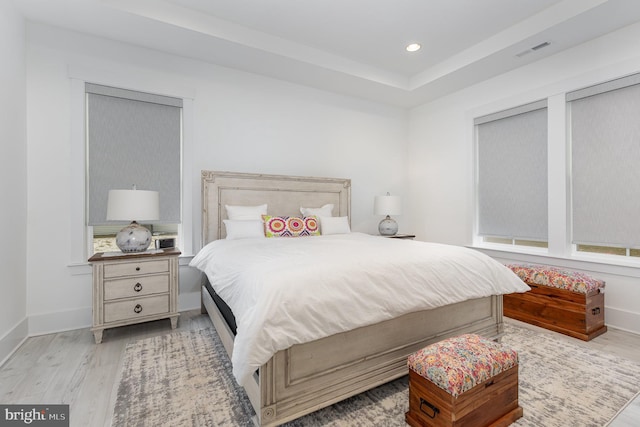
pixel 512 173
pixel 133 138
pixel 605 154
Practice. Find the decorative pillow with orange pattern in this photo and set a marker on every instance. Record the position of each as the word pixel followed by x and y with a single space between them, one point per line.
pixel 290 226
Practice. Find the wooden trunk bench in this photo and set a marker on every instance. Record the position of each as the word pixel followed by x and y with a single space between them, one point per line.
pixel 463 381
pixel 560 300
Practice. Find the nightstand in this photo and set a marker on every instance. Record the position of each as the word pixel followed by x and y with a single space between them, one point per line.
pixel 401 236
pixel 134 288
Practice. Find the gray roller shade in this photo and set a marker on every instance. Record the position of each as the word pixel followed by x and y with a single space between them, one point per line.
pixel 605 159
pixel 512 173
pixel 133 138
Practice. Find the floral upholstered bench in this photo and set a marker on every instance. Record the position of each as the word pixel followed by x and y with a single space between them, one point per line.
pixel 466 380
pixel 561 300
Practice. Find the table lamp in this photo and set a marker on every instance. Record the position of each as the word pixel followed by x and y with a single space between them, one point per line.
pixel 133 205
pixel 387 205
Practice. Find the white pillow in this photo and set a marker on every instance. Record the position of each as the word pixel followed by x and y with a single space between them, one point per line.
pixel 334 225
pixel 245 212
pixel 326 210
pixel 244 228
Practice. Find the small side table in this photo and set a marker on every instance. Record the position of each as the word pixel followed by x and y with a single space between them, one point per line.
pixel 134 288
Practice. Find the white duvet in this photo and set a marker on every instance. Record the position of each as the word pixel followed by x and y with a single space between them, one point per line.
pixel 286 291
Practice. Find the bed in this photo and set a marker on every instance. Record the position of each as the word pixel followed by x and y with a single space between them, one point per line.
pixel 310 375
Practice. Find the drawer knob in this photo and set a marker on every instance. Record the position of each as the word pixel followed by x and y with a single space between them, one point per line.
pixel 137 268
pixel 137 308
pixel 137 287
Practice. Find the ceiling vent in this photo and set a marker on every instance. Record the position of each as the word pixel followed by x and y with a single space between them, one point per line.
pixel 533 49
pixel 540 46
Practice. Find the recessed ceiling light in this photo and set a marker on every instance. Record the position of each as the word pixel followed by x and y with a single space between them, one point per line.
pixel 413 47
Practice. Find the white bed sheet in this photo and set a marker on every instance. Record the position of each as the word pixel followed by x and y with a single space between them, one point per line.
pixel 286 291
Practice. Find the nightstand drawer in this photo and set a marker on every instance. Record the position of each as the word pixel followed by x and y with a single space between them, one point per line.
pixel 134 268
pixel 136 286
pixel 138 307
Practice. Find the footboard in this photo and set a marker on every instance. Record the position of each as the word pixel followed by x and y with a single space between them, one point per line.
pixel 307 377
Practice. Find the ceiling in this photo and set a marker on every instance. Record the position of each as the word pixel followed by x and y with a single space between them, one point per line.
pixel 353 47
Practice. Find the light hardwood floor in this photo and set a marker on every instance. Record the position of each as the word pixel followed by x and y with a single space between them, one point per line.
pixel 68 367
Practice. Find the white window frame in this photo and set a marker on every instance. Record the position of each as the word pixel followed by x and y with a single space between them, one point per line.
pixel 560 250
pixel 621 83
pixel 478 240
pixel 81 237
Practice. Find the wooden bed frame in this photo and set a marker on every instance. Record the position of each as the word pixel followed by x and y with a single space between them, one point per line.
pixel 307 377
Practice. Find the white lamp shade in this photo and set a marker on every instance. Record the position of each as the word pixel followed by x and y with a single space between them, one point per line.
pixel 387 205
pixel 133 205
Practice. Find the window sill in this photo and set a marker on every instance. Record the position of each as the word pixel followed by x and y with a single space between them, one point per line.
pixel 581 261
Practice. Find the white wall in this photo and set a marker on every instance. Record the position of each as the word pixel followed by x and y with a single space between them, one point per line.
pixel 13 180
pixel 248 123
pixel 239 122
pixel 441 153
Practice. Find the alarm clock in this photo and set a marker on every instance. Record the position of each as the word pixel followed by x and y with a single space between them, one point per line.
pixel 165 243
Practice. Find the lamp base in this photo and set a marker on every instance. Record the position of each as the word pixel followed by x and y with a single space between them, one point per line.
pixel 133 238
pixel 388 227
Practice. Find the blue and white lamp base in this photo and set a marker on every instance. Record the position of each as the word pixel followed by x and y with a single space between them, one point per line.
pixel 133 238
pixel 388 227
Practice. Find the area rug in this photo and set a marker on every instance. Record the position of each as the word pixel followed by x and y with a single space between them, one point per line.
pixel 184 379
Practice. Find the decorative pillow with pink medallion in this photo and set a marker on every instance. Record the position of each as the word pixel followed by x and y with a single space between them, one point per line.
pixel 290 226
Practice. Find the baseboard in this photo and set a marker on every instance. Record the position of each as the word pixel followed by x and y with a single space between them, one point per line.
pixel 61 321
pixel 189 301
pixel 75 319
pixel 623 319
pixel 13 339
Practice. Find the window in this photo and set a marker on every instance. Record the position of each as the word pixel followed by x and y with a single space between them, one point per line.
pixel 133 138
pixel 605 177
pixel 511 155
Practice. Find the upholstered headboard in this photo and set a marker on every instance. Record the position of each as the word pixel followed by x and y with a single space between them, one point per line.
pixel 284 195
